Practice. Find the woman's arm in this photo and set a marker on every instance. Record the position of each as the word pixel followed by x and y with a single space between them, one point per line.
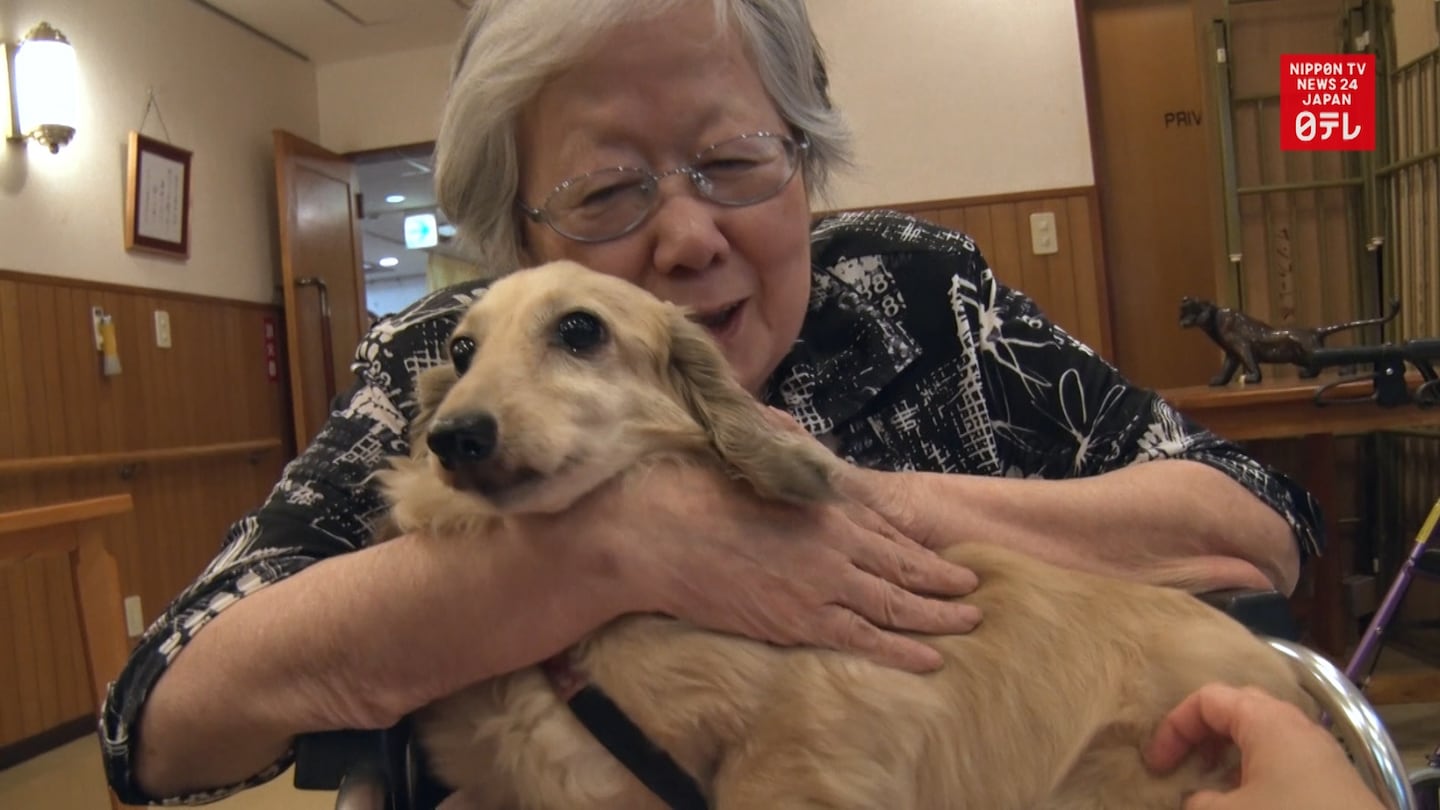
pixel 1177 523
pixel 359 640
pixel 1102 474
pixel 1071 461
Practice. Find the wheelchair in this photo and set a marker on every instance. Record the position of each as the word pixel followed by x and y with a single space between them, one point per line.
pixel 385 769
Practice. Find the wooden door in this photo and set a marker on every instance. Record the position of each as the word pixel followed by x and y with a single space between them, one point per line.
pixel 321 275
pixel 1158 179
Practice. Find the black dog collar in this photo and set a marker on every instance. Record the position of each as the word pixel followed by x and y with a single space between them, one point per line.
pixel 621 737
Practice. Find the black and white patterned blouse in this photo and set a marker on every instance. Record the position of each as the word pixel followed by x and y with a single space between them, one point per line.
pixel 912 357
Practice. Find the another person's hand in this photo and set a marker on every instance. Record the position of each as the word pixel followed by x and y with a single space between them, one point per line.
pixel 1286 759
pixel 702 548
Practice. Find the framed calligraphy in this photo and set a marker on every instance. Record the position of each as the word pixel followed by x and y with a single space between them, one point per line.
pixel 157 197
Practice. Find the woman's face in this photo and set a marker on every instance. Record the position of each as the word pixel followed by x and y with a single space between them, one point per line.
pixel 654 95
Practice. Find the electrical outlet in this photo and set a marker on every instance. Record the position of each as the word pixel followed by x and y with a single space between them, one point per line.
pixel 134 618
pixel 162 329
pixel 1043 239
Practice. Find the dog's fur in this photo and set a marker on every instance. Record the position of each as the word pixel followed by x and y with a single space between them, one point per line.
pixel 1045 706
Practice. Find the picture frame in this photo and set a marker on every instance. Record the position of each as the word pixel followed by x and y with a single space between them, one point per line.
pixel 157 197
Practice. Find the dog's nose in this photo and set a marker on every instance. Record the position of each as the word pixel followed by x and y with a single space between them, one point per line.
pixel 463 440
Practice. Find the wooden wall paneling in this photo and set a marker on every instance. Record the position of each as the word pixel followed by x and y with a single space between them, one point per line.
pixel 952 218
pixel 1069 286
pixel 81 399
pixel 43 637
pixel 169 526
pixel 1093 326
pixel 67 653
pixel 978 224
pixel 1005 249
pixel 22 715
pixel 115 411
pixel 211 388
pixel 158 380
pixel 10 725
pixel 1053 275
pixel 131 405
pixel 204 350
pixel 1030 273
pixel 178 374
pixel 11 412
pixel 42 378
pixel 49 575
pixel 27 679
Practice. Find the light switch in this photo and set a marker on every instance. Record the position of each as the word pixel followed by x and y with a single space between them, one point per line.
pixel 134 618
pixel 1043 239
pixel 162 329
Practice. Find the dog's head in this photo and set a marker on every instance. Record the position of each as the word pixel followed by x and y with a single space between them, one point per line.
pixel 1195 312
pixel 561 378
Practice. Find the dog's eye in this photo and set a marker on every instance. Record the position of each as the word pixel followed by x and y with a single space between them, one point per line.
pixel 580 331
pixel 461 350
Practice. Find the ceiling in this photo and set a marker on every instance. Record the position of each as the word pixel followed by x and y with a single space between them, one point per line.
pixel 338 30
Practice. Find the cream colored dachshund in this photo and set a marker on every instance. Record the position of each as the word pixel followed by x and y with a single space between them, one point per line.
pixel 564 378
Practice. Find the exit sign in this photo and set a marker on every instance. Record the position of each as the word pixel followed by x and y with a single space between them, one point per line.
pixel 420 231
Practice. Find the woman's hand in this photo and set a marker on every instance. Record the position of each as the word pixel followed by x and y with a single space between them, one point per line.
pixel 883 497
pixel 698 546
pixel 1286 759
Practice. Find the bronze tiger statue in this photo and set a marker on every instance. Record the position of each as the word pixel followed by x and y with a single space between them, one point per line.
pixel 1249 341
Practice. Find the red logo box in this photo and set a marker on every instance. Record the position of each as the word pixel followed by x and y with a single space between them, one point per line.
pixel 1327 102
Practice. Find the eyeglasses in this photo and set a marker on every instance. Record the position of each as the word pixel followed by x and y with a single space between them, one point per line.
pixel 609 203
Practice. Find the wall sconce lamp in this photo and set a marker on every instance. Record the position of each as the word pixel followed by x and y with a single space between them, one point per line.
pixel 43 82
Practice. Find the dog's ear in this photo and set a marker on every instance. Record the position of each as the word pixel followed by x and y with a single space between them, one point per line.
pixel 431 386
pixel 779 464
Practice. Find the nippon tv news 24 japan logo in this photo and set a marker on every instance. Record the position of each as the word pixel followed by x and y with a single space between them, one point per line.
pixel 1327 102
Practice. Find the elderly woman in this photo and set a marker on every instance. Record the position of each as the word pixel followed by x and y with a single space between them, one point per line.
pixel 677 144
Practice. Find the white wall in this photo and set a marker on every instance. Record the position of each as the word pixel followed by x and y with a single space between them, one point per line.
pixel 948 98
pixel 386 296
pixel 956 98
pixel 389 100
pixel 221 91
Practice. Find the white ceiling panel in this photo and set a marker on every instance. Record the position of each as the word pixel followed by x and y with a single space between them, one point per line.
pixel 373 12
pixel 339 30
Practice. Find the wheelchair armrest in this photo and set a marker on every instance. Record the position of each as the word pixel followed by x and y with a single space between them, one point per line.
pixel 323 759
pixel 1265 612
pixel 371 770
pixel 357 764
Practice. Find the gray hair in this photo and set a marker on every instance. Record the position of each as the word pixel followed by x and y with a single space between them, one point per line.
pixel 511 48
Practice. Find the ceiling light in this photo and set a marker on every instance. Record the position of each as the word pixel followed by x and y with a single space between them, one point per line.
pixel 395 199
pixel 389 261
